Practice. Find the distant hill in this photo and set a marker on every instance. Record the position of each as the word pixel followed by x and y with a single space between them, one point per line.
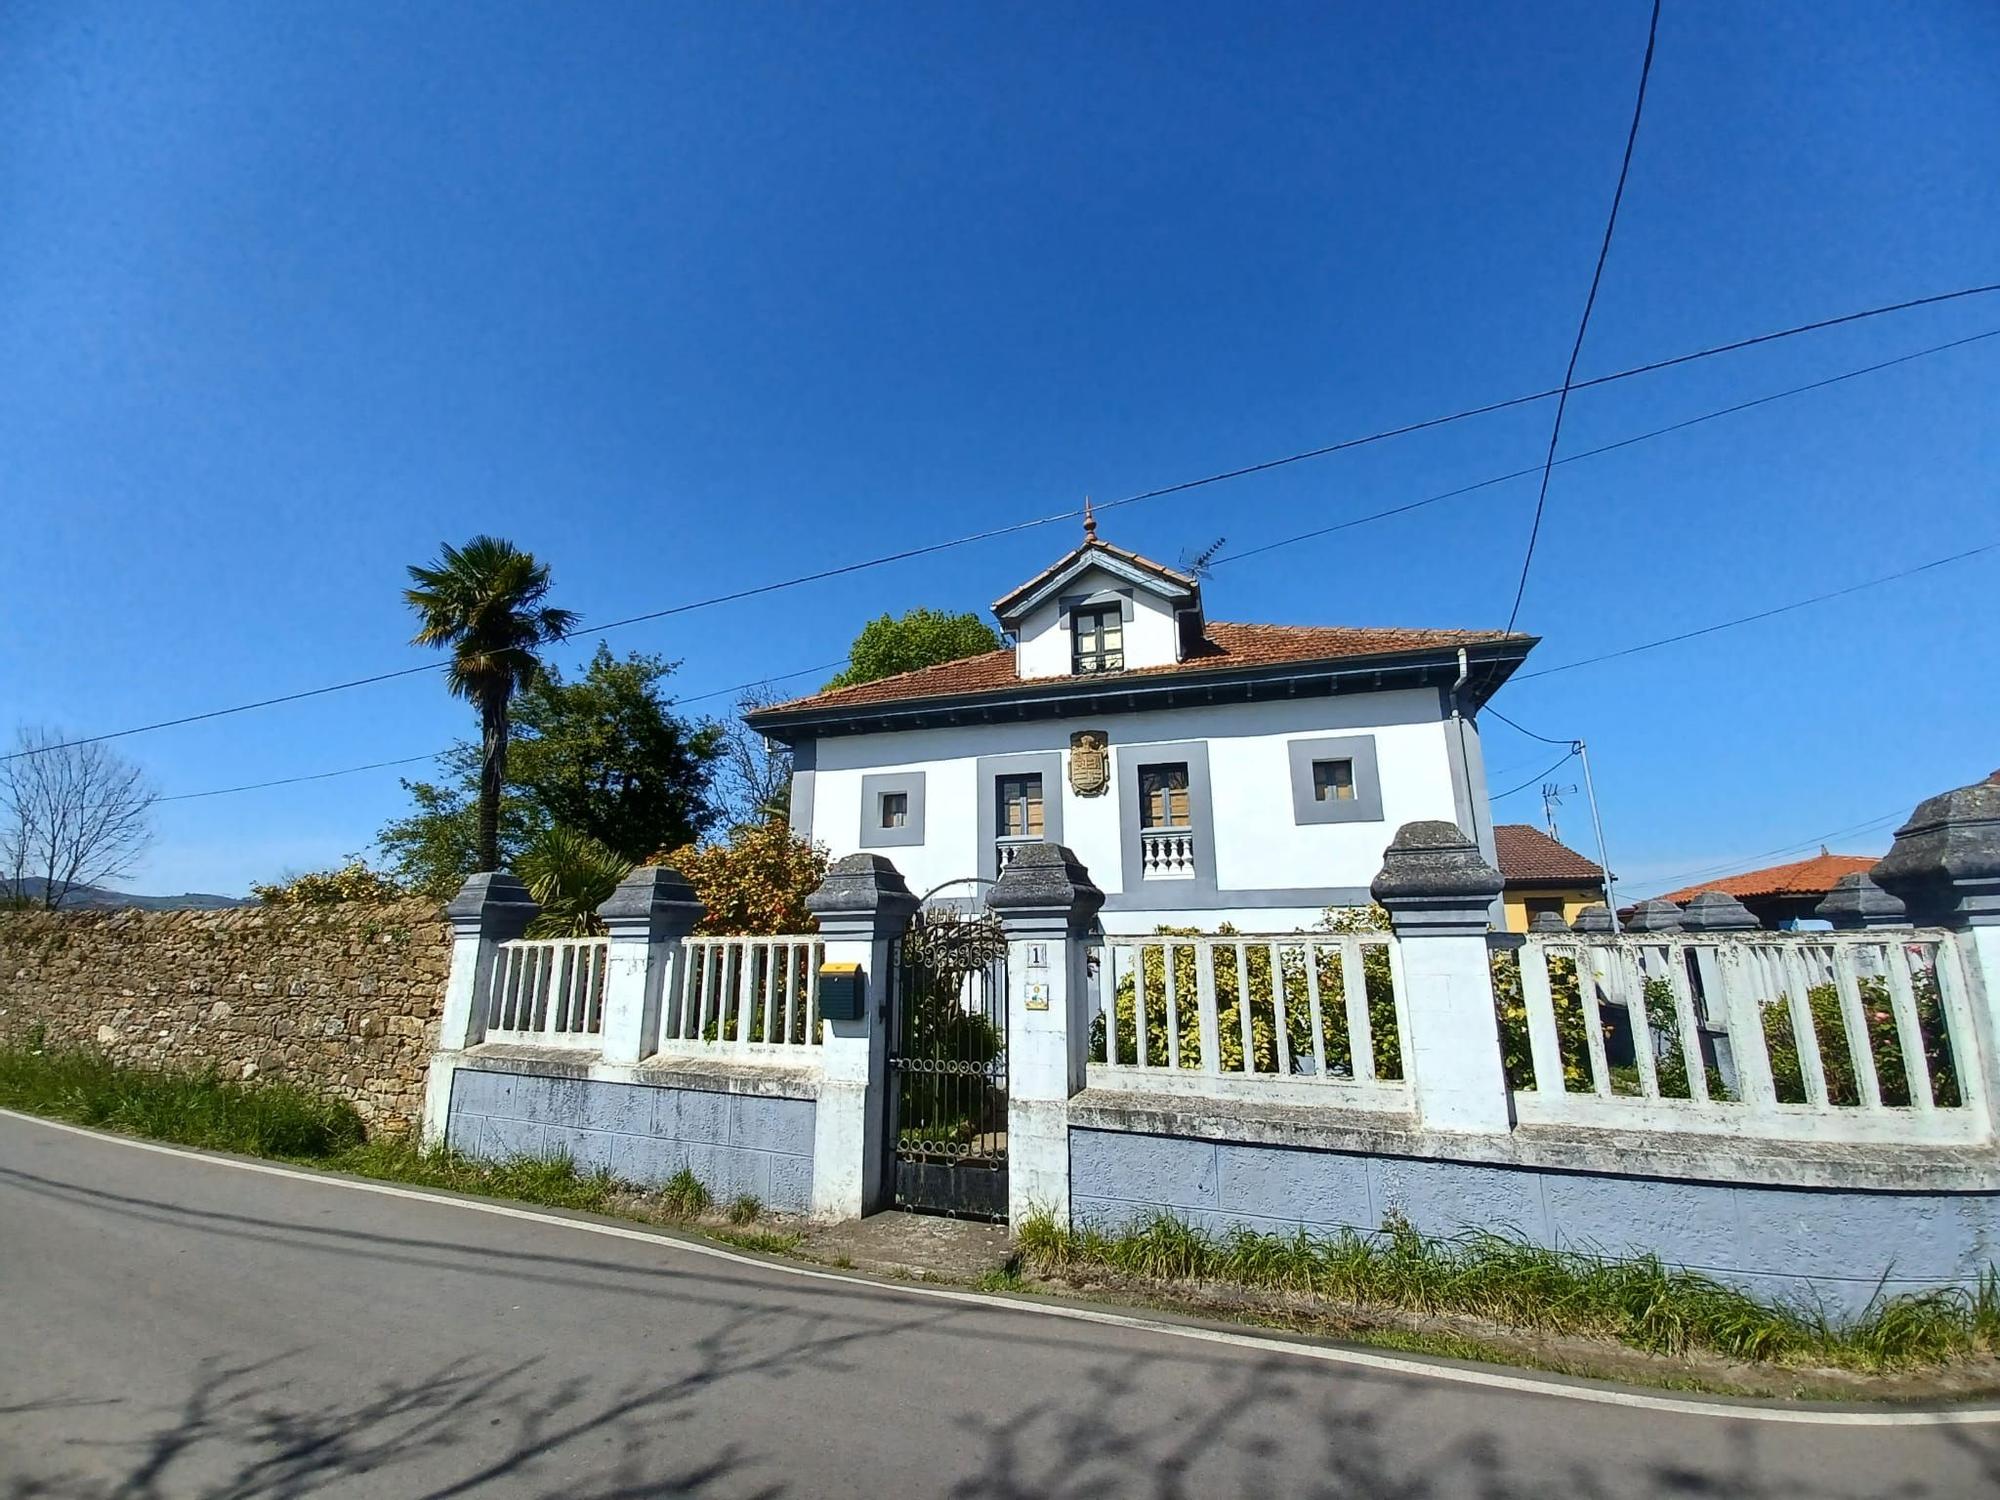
pixel 97 898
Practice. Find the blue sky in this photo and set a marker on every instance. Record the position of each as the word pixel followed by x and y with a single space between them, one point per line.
pixel 686 298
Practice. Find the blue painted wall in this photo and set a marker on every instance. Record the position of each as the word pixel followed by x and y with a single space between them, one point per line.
pixel 735 1143
pixel 1827 1245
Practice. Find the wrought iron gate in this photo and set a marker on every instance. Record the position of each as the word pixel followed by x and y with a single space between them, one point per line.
pixel 948 1067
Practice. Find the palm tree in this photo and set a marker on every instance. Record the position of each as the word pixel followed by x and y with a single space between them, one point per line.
pixel 484 601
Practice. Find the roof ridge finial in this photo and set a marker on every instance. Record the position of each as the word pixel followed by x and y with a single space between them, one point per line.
pixel 1089 521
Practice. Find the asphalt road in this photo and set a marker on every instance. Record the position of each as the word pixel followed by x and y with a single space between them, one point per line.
pixel 176 1326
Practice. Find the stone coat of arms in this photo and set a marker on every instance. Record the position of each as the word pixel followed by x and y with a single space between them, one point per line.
pixel 1089 762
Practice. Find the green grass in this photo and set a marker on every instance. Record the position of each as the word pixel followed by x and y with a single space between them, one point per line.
pixel 762 1241
pixel 187 1107
pixel 745 1209
pixel 1640 1302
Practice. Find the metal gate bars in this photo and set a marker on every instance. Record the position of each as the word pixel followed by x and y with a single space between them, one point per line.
pixel 948 1067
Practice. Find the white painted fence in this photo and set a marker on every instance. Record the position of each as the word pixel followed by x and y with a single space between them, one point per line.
pixel 548 992
pixel 748 996
pixel 1844 1036
pixel 1169 1018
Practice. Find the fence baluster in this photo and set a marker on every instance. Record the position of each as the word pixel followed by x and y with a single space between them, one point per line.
pixel 1360 1026
pixel 1587 990
pixel 1544 1045
pixel 1860 1042
pixel 1313 1010
pixel 1281 1044
pixel 1211 1025
pixel 1173 1006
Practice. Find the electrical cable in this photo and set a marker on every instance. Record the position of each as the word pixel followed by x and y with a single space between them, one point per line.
pixel 1583 324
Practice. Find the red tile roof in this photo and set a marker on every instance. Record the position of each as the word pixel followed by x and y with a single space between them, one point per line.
pixel 1529 856
pixel 1224 646
pixel 1804 877
pixel 1093 544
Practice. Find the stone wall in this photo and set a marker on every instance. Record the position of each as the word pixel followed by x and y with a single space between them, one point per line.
pixel 343 999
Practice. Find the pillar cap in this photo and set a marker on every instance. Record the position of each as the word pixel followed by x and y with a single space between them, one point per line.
pixel 1655 916
pixel 1718 911
pixel 862 886
pixel 1593 918
pixel 1045 880
pixel 1547 921
pixel 1434 879
pixel 1857 901
pixel 655 896
pixel 491 904
pixel 1945 863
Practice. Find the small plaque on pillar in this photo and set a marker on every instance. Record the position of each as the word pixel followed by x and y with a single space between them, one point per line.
pixel 1038 994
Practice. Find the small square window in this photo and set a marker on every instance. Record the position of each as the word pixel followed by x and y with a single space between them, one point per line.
pixel 1333 781
pixel 895 809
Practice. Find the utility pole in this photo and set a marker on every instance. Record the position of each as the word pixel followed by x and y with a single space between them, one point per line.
pixel 1597 823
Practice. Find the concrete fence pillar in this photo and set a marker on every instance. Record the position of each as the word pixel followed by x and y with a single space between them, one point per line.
pixel 1045 901
pixel 1438 891
pixel 491 908
pixel 863 908
pixel 648 916
pixel 1856 903
pixel 1945 869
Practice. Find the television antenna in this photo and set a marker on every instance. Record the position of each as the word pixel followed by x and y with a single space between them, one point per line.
pixel 1552 796
pixel 1198 564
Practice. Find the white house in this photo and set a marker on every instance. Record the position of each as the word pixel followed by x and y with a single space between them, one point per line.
pixel 1203 771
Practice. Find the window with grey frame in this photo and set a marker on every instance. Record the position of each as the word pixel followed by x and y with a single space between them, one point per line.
pixel 1018 803
pixel 1097 639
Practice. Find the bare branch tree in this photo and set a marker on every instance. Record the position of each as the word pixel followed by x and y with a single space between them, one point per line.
pixel 70 815
pixel 753 777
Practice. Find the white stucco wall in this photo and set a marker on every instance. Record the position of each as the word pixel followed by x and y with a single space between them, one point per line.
pixel 1151 639
pixel 1260 851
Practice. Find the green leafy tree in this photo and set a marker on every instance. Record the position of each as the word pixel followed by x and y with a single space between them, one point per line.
pixel 603 755
pixel 606 756
pixel 483 603
pixel 917 638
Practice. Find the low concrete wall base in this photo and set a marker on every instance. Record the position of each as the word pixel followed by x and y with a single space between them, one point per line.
pixel 736 1142
pixel 1830 1246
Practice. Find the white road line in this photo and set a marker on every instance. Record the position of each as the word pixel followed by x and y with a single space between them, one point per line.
pixel 1262 1343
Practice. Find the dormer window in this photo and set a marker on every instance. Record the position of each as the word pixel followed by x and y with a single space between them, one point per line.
pixel 1097 640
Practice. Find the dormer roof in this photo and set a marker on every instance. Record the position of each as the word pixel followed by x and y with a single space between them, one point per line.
pixel 1180 589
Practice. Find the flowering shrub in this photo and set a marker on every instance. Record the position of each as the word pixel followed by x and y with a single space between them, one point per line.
pixel 353 881
pixel 756 884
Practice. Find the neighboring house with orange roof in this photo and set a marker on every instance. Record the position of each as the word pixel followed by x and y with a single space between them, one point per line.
pixel 1203 771
pixel 1543 875
pixel 1784 894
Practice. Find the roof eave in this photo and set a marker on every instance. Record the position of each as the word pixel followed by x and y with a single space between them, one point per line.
pixel 1492 661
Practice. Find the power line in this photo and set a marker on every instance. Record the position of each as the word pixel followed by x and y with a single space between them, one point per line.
pixel 1719 871
pixel 1583 324
pixel 258 786
pixel 378 765
pixel 1765 614
pixel 1528 400
pixel 1538 776
pixel 1642 437
pixel 1064 515
pixel 1528 732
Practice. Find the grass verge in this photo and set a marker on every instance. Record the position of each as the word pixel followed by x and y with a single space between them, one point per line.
pixel 1639 1302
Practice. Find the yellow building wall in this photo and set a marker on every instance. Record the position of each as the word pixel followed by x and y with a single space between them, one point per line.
pixel 1573 902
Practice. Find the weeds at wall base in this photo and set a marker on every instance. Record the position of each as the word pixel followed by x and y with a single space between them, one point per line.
pixel 1638 1302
